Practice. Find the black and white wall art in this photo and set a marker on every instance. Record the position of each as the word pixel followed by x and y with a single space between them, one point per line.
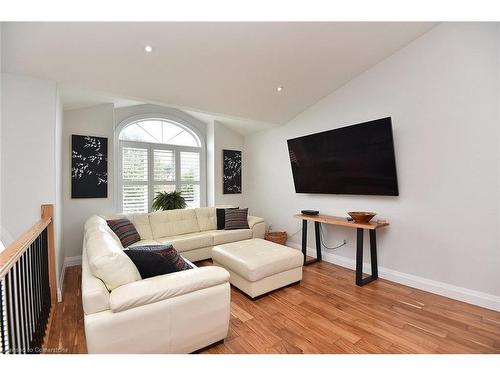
pixel 231 183
pixel 89 167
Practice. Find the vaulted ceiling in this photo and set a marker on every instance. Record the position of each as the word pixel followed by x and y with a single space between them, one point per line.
pixel 220 68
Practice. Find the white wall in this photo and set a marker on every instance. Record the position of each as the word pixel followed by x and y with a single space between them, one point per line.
pixel 226 139
pixel 442 92
pixel 30 151
pixel 96 121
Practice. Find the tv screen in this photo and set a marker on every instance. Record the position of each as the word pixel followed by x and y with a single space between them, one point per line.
pixel 356 159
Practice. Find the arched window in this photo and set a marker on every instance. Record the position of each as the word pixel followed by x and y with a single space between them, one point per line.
pixel 157 154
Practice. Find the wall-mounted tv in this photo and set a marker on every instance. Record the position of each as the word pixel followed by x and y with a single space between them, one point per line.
pixel 356 159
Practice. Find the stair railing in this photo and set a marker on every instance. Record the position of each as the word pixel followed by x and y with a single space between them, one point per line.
pixel 28 288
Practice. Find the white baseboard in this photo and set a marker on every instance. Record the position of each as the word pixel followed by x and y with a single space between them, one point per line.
pixel 72 261
pixel 474 297
pixel 68 262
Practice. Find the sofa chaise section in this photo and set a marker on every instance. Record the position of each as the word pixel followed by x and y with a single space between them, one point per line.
pixel 162 314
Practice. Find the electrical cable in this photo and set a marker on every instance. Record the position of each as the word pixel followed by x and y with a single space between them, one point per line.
pixel 321 238
pixel 290 236
pixel 323 243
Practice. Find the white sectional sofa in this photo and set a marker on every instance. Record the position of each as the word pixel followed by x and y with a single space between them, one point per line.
pixel 174 313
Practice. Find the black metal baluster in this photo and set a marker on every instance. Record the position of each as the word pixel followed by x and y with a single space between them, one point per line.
pixel 26 301
pixel 33 291
pixel 10 312
pixel 22 322
pixel 19 309
pixel 42 310
pixel 24 296
pixel 38 289
pixel 2 322
pixel 29 288
pixel 46 280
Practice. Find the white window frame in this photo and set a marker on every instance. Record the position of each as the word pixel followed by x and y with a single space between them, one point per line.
pixel 119 144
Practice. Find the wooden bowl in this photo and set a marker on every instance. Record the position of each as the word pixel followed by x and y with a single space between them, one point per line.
pixel 361 217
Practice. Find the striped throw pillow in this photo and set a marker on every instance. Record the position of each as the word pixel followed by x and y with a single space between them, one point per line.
pixel 237 219
pixel 125 231
pixel 221 216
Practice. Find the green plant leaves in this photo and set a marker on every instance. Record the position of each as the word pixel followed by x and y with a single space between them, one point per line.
pixel 168 201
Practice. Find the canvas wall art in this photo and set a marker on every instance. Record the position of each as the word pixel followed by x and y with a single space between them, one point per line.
pixel 231 172
pixel 89 167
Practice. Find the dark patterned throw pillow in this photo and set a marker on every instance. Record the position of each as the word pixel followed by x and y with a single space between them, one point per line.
pixel 221 216
pixel 237 219
pixel 156 260
pixel 125 231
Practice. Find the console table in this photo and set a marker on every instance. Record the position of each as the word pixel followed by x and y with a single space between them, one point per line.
pixel 372 226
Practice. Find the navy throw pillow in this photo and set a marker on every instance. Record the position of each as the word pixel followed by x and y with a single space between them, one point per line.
pixel 156 260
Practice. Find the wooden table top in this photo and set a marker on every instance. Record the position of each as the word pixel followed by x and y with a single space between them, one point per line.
pixel 342 221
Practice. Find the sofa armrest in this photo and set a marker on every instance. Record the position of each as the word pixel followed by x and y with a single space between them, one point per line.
pixel 95 295
pixel 252 220
pixel 155 289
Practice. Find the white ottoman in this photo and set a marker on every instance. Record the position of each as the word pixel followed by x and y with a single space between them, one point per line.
pixel 257 266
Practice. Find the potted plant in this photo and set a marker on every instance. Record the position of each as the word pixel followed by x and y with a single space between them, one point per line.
pixel 168 201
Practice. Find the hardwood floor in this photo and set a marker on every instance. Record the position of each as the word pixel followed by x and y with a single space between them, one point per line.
pixel 326 313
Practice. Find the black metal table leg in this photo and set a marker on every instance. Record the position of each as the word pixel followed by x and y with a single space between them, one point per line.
pixel 373 253
pixel 318 240
pixel 359 258
pixel 304 239
pixel 304 242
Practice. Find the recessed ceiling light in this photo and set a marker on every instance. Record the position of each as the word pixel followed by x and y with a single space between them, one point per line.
pixel 279 88
pixel 148 49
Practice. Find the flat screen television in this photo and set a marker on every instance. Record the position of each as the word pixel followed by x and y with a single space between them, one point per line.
pixel 356 159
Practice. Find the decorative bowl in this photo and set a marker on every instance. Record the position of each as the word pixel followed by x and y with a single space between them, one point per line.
pixel 361 217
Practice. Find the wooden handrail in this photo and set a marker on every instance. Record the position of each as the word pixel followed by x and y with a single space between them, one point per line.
pixel 16 249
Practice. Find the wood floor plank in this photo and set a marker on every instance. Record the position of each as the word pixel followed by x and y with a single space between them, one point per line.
pixel 325 313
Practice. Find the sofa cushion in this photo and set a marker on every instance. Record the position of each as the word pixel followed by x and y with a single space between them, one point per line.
pixel 206 218
pixel 190 241
pixel 225 236
pixel 173 222
pixel 125 231
pixel 156 260
pixel 168 286
pixel 107 261
pixel 141 223
pixel 236 219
